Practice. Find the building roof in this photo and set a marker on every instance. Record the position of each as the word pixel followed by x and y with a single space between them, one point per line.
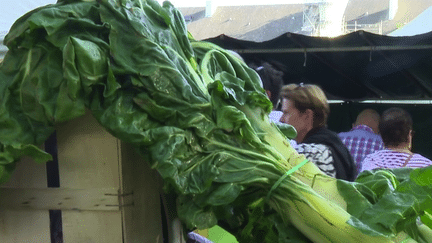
pixel 265 22
pixel 254 23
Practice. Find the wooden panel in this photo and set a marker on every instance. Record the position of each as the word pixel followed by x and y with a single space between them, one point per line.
pixel 92 227
pixel 28 174
pixel 142 221
pixel 88 159
pixel 18 226
pixel 105 199
pixel 87 154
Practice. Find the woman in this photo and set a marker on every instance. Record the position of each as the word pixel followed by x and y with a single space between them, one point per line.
pixel 396 131
pixel 306 108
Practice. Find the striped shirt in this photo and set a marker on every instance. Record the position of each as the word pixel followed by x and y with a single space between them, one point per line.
pixel 320 155
pixel 389 159
pixel 361 141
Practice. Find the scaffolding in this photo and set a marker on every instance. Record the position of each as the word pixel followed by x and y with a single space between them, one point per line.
pixel 324 17
pixel 376 28
pixel 311 18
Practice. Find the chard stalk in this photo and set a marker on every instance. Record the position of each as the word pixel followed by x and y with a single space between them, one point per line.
pixel 425 232
pixel 309 173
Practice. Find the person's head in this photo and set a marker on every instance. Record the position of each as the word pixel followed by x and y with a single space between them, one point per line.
pixel 305 107
pixel 272 80
pixel 396 127
pixel 368 117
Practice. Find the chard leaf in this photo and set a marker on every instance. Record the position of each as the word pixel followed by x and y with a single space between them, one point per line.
pixel 400 197
pixel 288 130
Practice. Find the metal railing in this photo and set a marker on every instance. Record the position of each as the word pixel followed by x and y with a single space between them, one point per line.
pixel 373 28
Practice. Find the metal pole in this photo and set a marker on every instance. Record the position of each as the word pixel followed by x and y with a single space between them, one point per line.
pixel 380 30
pixel 334 49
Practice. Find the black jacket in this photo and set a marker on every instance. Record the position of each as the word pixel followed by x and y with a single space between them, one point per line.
pixel 343 161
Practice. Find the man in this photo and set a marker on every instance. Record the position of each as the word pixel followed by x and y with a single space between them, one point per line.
pixel 363 138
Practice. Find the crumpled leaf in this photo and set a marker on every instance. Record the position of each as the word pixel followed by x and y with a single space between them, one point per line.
pixel 399 197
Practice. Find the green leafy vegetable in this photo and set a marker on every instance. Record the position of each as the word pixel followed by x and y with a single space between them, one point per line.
pixel 199 116
pixel 400 196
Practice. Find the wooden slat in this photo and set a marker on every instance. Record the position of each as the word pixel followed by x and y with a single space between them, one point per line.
pixel 87 154
pixel 92 227
pixel 143 221
pixel 88 158
pixel 18 226
pixel 105 199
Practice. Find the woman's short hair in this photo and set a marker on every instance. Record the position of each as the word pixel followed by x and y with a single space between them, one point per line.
pixel 395 126
pixel 308 96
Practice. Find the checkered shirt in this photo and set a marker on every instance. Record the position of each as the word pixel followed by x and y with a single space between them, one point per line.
pixel 361 141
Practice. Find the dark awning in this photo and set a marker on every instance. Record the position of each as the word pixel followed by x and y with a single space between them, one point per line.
pixel 356 66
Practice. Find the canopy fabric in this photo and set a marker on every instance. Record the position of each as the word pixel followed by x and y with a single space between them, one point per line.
pixel 352 67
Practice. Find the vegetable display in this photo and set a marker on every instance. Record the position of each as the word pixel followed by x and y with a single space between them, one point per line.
pixel 199 116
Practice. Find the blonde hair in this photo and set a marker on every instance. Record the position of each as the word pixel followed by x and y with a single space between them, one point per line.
pixel 308 96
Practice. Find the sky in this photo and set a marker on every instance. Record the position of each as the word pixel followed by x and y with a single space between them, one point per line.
pixel 202 3
pixel 11 10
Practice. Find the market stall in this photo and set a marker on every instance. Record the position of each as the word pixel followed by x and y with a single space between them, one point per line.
pixel 109 89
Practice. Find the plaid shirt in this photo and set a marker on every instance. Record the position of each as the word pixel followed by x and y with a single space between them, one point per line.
pixel 361 141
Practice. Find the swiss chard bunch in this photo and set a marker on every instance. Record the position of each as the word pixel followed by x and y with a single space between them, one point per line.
pixel 196 113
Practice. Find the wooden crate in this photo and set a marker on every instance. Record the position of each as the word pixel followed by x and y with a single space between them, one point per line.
pixel 106 193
